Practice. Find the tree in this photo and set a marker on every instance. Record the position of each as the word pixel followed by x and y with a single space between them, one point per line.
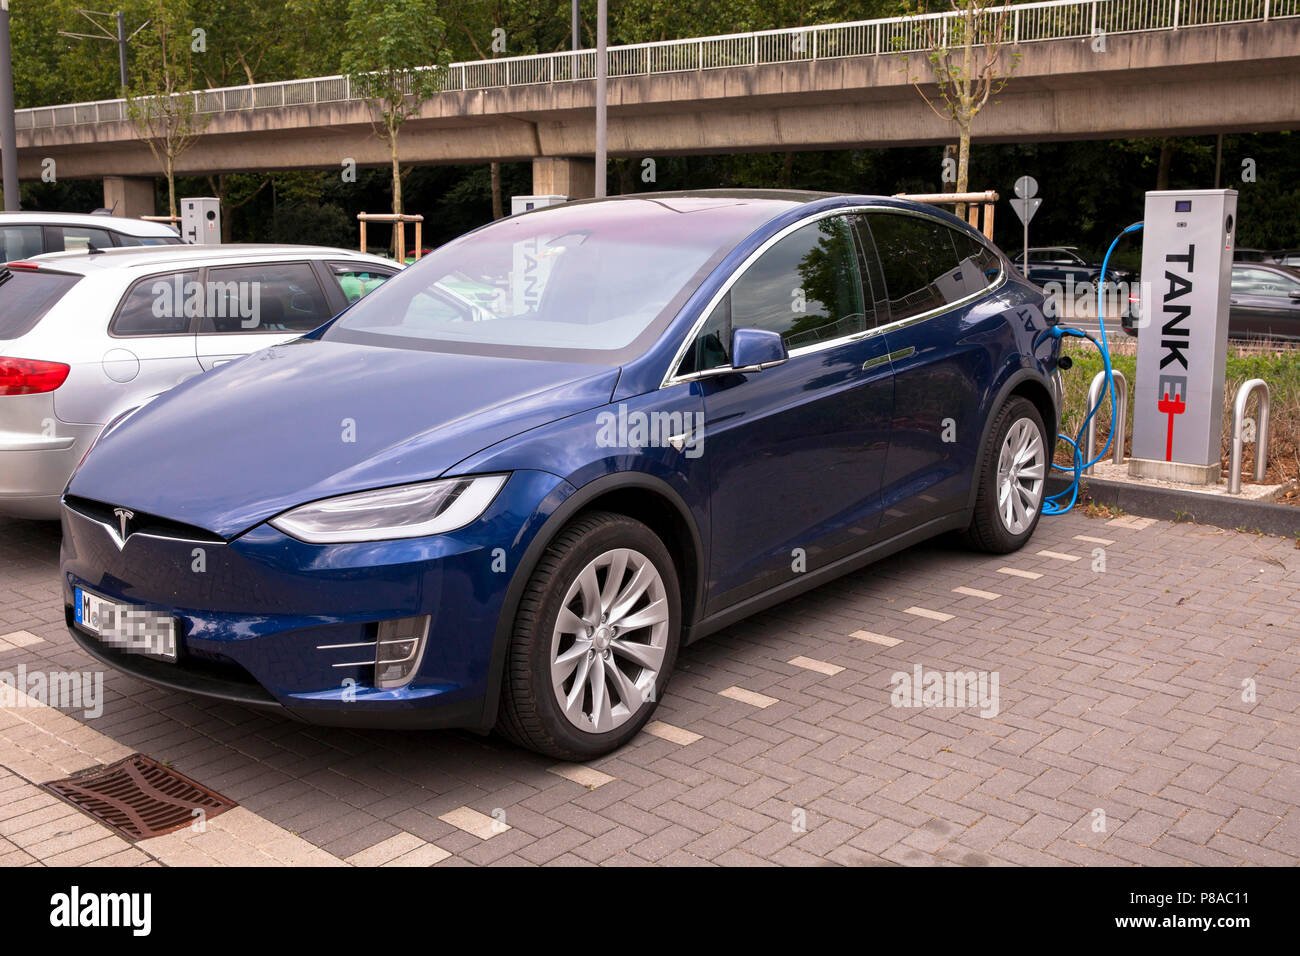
pixel 397 51
pixel 510 28
pixel 964 57
pixel 160 103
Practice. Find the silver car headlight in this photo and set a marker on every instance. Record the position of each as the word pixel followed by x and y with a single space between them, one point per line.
pixel 405 511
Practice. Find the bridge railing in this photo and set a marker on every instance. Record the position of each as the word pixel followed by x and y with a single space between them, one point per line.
pixel 1018 23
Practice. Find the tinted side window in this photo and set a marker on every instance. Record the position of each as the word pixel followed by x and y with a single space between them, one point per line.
pixel 268 297
pixel 78 239
pixel 712 346
pixel 1262 282
pixel 980 265
pixel 159 305
pixel 356 281
pixel 806 287
pixel 19 242
pixel 922 267
pixel 25 297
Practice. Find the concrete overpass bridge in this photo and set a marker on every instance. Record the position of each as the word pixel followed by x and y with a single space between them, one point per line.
pixel 1083 69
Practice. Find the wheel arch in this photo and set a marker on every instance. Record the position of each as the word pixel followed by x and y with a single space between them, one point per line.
pixel 1024 383
pixel 647 499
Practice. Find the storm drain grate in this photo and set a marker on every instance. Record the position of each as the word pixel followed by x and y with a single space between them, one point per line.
pixel 138 797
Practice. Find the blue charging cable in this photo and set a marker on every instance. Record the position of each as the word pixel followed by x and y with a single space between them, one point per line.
pixel 1054 504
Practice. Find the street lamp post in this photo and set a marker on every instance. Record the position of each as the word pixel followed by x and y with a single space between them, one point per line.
pixel 602 17
pixel 8 132
pixel 121 48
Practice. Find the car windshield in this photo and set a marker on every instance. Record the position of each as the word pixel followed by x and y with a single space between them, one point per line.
pixel 587 279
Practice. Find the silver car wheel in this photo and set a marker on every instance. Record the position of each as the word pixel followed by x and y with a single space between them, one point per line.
pixel 1022 466
pixel 609 641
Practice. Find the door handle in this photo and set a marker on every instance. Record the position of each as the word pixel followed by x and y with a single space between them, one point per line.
pixel 895 356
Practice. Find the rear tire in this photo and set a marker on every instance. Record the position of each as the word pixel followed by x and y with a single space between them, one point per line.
pixel 595 639
pixel 1012 480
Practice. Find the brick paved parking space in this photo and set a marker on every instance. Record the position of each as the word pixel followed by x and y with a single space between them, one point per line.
pixel 1147 712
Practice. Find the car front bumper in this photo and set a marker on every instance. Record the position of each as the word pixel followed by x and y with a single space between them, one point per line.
pixel 270 621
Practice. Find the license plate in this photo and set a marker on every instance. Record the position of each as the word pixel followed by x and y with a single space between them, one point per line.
pixel 126 627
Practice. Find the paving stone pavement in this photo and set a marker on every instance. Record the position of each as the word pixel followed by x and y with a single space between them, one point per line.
pixel 1148 713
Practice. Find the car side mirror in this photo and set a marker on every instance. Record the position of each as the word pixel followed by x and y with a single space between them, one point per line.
pixel 1295 295
pixel 753 350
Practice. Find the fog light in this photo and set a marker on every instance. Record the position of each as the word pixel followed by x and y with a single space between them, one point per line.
pixel 399 649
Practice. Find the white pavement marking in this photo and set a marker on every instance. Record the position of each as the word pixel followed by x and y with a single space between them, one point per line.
pixel 880 639
pixel 471 821
pixel 1091 540
pixel 821 667
pixel 1017 573
pixel 237 837
pixel 586 776
pixel 1058 555
pixel 387 850
pixel 1132 521
pixel 19 639
pixel 976 592
pixel 426 855
pixel 676 735
pixel 927 613
pixel 748 697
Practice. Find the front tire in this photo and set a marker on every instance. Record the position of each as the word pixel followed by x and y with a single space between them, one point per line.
pixel 595 639
pixel 1012 480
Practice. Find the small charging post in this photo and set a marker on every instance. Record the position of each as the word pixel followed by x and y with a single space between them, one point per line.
pixel 1187 246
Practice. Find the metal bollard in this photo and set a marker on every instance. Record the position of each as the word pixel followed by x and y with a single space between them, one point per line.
pixel 1119 415
pixel 1261 434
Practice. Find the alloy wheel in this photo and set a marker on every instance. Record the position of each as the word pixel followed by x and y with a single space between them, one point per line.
pixel 1021 468
pixel 609 641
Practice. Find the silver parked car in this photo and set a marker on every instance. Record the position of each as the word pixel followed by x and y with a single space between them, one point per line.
pixel 87 337
pixel 26 234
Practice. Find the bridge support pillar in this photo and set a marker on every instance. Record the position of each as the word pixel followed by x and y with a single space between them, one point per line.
pixel 130 196
pixel 564 176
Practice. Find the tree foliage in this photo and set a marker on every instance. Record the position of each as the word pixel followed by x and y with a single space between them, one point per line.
pixel 1090 189
pixel 160 104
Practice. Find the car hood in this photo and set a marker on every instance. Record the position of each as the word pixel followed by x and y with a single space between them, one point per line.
pixel 311 419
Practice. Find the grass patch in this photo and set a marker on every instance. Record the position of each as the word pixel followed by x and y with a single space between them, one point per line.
pixel 1277 365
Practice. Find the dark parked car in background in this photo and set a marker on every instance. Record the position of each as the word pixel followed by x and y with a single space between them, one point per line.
pixel 1060 263
pixel 1265 303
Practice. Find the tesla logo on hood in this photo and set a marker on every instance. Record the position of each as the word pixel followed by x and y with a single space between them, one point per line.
pixel 124 522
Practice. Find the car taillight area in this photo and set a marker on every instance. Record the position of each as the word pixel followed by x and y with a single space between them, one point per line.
pixel 19 376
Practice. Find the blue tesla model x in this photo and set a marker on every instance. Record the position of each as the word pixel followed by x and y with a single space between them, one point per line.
pixel 504 489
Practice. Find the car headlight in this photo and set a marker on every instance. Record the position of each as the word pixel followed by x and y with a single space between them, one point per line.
pixel 406 511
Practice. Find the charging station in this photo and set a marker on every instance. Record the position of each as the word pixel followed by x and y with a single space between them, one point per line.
pixel 520 204
pixel 1188 238
pixel 201 221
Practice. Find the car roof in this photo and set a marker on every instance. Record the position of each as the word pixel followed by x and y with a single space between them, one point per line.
pixel 772 202
pixel 84 262
pixel 132 227
pixel 740 195
pixel 1267 265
